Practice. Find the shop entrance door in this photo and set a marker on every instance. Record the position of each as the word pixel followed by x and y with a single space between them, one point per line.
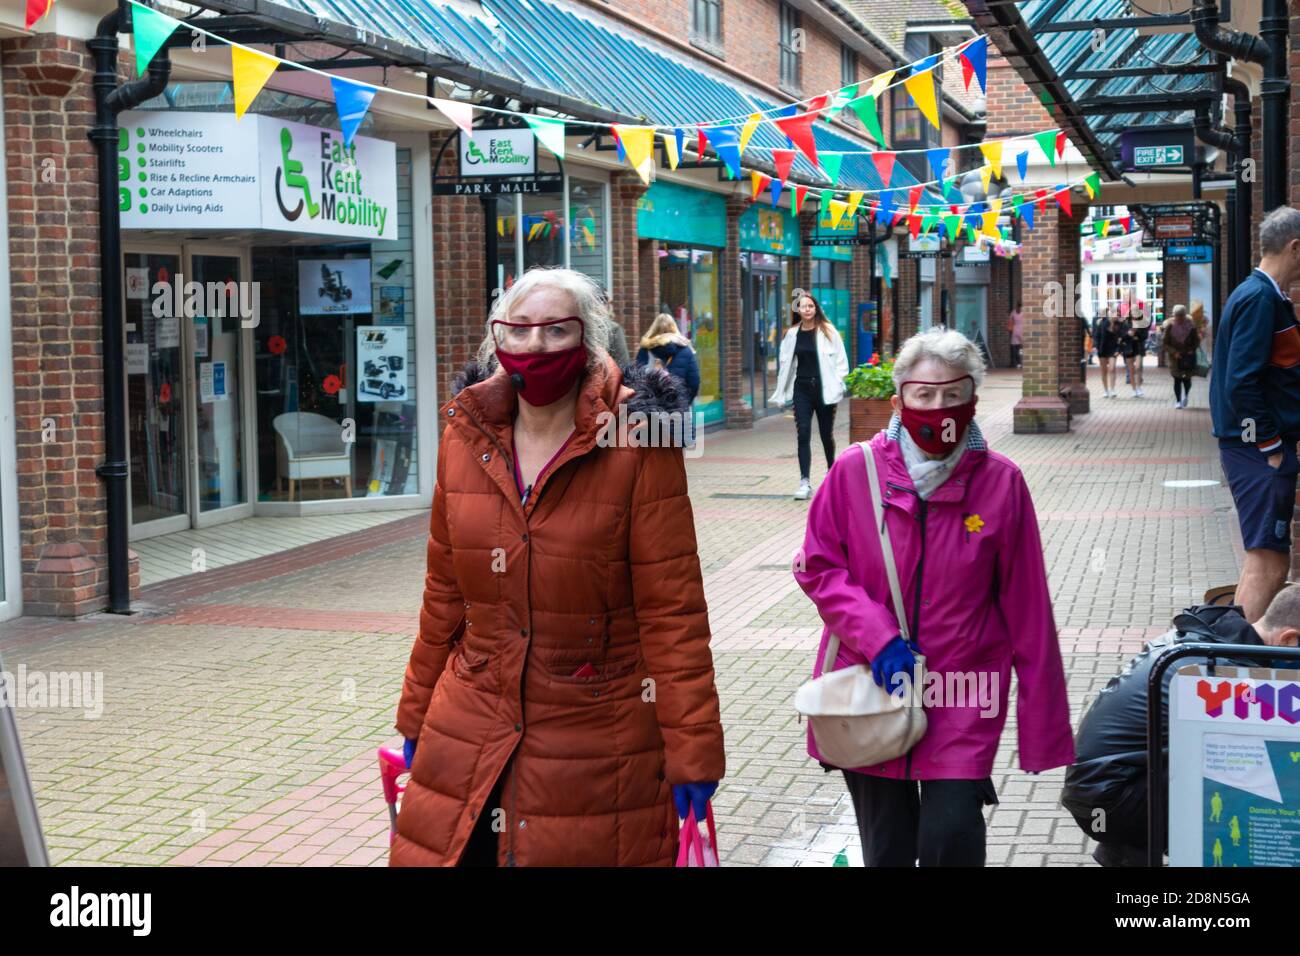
pixel 972 319
pixel 188 321
pixel 762 335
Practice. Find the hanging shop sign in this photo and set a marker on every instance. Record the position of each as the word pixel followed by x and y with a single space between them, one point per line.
pixel 1145 147
pixel 1234 767
pixel 1188 252
pixel 675 213
pixel 972 256
pixel 179 170
pixel 333 286
pixel 922 247
pixel 496 162
pixel 773 231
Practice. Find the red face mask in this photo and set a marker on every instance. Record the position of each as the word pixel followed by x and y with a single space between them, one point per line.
pixel 543 377
pixel 938 430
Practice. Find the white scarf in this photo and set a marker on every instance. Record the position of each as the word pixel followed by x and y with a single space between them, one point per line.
pixel 929 473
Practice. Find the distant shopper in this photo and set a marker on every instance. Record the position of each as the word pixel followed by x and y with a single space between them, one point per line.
pixel 617 345
pixel 1106 331
pixel 1139 320
pixel 1106 787
pixel 1180 341
pixel 672 350
pixel 1255 407
pixel 1016 326
pixel 813 366
pixel 1197 315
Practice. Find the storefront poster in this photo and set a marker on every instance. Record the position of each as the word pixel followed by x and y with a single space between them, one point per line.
pixel 168 332
pixel 392 305
pixel 769 230
pixel 334 286
pixel 381 359
pixel 200 338
pixel 212 382
pixel 137 358
pixel 137 282
pixel 190 170
pixel 1251 810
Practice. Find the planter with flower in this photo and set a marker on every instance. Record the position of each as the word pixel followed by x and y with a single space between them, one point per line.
pixel 869 387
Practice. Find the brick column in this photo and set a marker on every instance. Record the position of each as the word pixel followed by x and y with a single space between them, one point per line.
pixel 461 281
pixel 909 292
pixel 1050 253
pixel 737 413
pixel 57 337
pixel 1176 293
pixel 647 291
pixel 802 268
pixel 625 189
pixel 1000 305
pixel 859 292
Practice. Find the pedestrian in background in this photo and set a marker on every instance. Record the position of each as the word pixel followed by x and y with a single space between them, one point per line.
pixel 562 582
pixel 617 342
pixel 1255 408
pixel 974 588
pixel 1133 348
pixel 1180 341
pixel 664 345
pixel 813 365
pixel 1106 333
pixel 1015 326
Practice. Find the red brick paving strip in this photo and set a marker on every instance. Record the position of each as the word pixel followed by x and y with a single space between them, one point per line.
pixel 297 618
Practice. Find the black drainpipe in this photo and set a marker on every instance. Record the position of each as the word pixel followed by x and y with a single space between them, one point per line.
pixel 110 99
pixel 1238 143
pixel 1269 49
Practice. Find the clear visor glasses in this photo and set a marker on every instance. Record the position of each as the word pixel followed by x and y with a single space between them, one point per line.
pixel 517 336
pixel 957 391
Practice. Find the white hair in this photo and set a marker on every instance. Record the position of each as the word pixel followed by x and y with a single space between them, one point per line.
pixel 587 296
pixel 946 346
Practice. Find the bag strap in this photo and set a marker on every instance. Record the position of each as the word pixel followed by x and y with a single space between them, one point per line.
pixel 886 549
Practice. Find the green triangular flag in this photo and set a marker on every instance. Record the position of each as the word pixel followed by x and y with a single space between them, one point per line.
pixel 151 30
pixel 1093 182
pixel 970 235
pixel 830 163
pixel 1016 202
pixel 950 184
pixel 824 198
pixel 952 225
pixel 549 131
pixel 1047 143
pixel 865 107
pixel 927 222
pixel 1100 227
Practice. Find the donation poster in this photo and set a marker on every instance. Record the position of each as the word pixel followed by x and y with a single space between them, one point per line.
pixel 1251 811
pixel 334 286
pixel 381 359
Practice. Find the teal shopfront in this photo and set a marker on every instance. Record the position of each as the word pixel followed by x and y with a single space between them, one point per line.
pixel 691 226
pixel 769 244
pixel 830 272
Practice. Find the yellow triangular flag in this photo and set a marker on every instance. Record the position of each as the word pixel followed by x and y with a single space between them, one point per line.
pixel 995 205
pixel 639 145
pixel 670 148
pixel 756 180
pixel 993 153
pixel 921 88
pixel 747 130
pixel 878 83
pixel 986 173
pixel 838 208
pixel 249 71
pixel 990 227
pixel 855 200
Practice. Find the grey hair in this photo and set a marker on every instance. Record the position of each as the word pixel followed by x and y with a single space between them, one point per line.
pixel 946 346
pixel 1179 310
pixel 587 295
pixel 1283 611
pixel 1278 229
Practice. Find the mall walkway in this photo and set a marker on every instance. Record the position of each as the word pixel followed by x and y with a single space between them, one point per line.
pixel 243 707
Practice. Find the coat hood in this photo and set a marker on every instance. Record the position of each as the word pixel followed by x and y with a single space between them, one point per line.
pixel 651 342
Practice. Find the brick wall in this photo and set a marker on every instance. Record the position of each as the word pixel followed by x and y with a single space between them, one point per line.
pixel 57 354
pixel 859 292
pixel 629 309
pixel 1012 107
pixel 461 282
pixel 1001 302
pixel 1176 286
pixel 648 289
pixel 909 287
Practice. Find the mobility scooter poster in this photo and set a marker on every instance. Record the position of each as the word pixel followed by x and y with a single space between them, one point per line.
pixel 333 286
pixel 381 356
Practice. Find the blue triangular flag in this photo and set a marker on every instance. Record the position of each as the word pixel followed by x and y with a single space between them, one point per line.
pixel 351 100
pixel 1027 214
pixel 776 191
pixel 726 143
pixel 922 65
pixel 977 54
pixel 885 214
pixel 622 153
pixel 1022 164
pixel 680 136
pixel 938 160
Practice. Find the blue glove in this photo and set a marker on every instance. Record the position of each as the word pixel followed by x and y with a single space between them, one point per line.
pixel 896 658
pixel 696 795
pixel 408 751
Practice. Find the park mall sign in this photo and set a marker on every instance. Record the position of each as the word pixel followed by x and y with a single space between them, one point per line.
pixel 180 170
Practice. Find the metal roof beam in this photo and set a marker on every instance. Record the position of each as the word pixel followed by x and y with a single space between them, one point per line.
pixel 1099 105
pixel 1115 23
pixel 1121 72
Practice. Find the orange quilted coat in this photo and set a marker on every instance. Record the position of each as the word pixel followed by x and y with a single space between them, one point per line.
pixel 599 567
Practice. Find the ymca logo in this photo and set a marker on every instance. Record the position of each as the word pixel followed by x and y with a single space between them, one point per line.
pixel 1269 699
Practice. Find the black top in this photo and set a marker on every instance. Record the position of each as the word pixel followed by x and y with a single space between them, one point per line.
pixel 805 353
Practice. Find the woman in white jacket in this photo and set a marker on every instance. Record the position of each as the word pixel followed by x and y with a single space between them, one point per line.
pixel 813 365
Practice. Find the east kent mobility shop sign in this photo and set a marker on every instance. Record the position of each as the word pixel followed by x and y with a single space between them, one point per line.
pixel 180 170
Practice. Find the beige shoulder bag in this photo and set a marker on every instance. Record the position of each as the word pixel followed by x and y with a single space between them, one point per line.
pixel 855 721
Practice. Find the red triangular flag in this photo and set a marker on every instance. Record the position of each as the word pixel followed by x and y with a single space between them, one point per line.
pixel 1063 200
pixel 896 218
pixel 914 197
pixel 1060 143
pixel 1127 222
pixel 1040 193
pixel 914 225
pixel 967 71
pixel 818 103
pixel 799 130
pixel 784 159
pixel 701 145
pixel 884 165
pixel 1042 206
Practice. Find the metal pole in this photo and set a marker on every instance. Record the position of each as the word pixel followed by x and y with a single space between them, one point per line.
pixel 109 101
pixel 1274 91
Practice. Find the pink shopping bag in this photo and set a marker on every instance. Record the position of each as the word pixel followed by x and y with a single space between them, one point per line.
pixel 693 847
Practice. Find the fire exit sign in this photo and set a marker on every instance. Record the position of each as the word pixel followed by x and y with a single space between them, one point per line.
pixel 1157 155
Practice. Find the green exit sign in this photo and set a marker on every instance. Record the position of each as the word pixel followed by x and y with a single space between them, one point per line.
pixel 1157 156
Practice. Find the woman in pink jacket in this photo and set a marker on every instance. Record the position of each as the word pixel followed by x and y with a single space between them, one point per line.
pixel 970 565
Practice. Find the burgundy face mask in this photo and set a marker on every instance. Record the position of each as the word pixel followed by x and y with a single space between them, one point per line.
pixel 543 377
pixel 937 430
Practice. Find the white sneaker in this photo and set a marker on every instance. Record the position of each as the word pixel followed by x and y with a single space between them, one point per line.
pixel 804 492
pixel 1138 392
pixel 1184 404
pixel 1110 395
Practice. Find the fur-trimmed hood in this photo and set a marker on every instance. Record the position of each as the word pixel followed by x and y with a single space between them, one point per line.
pixel 651 342
pixel 654 391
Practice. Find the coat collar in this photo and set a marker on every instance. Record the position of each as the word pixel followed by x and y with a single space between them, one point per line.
pixel 952 490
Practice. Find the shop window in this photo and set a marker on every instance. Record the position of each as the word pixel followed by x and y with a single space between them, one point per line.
pixel 791 47
pixel 335 365
pixel 706 23
pixel 689 285
pixel 587 228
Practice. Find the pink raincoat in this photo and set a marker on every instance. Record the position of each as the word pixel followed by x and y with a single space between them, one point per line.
pixel 970 565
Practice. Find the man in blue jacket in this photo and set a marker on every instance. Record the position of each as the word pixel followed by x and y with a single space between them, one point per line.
pixel 1255 407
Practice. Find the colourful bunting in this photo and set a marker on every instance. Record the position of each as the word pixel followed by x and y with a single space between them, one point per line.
pixel 799 130
pixel 37 9
pixel 990 225
pixel 920 87
pixel 747 130
pixel 986 174
pixel 831 163
pixel 1022 163
pixel 1027 214
pixel 549 132
pixel 461 114
pixel 639 144
pixel 1092 183
pixel 351 100
pixel 783 159
pixel 914 225
pixel 1127 223
pixel 838 208
pixel 993 153
pixel 952 226
pixel 673 143
pixel 855 200
pixel 1047 143
pixel 884 162
pixel 152 29
pixel 865 107
pixel 1063 200
pixel 914 197
pixel 800 194
pixel 726 143
pixel 700 143
pixel 1060 143
pixel 776 191
pixel 938 161
pixel 758 181
pixel 975 55
pixel 249 71
pixel 1100 227
pixel 618 142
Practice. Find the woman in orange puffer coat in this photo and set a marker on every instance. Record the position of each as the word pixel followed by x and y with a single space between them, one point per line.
pixel 561 688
